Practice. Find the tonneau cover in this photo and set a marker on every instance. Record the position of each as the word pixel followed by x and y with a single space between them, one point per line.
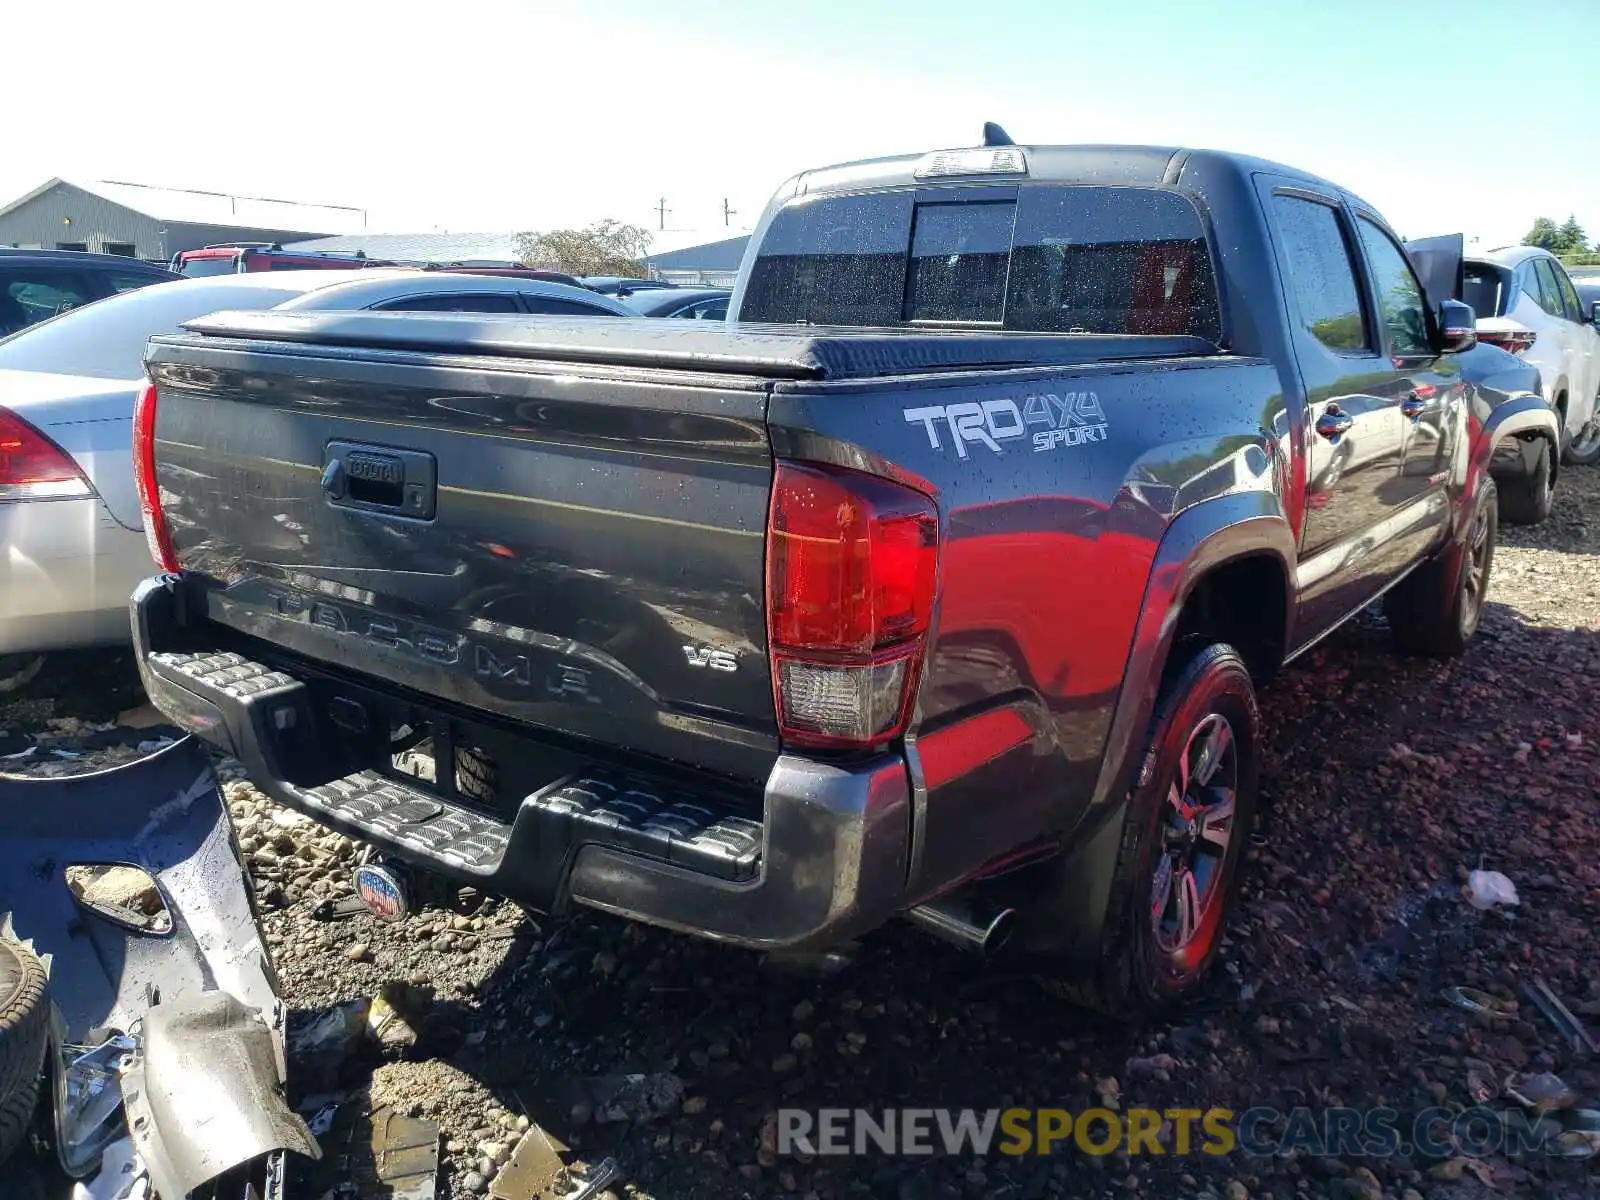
pixel 771 351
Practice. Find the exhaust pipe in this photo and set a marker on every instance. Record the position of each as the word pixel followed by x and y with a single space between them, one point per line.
pixel 966 921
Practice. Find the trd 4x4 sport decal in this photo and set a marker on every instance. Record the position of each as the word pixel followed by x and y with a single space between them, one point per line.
pixel 1048 419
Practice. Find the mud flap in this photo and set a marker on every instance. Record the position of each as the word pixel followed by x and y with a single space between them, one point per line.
pixel 199 996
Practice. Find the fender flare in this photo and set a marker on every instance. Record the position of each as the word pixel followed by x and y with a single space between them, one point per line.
pixel 1200 539
pixel 1522 414
pixel 1209 535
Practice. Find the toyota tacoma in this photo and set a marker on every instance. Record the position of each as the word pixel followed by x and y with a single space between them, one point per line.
pixel 937 583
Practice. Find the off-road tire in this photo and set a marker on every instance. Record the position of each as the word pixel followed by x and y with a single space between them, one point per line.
pixel 1527 500
pixel 1135 977
pixel 477 777
pixel 24 1034
pixel 1432 611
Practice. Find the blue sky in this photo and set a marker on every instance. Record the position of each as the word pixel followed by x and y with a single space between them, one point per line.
pixel 498 114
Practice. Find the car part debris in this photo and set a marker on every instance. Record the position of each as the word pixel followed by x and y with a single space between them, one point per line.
pixel 120 1176
pixel 637 1097
pixel 1540 1093
pixel 198 997
pixel 88 1102
pixel 1578 1143
pixel 1558 1014
pixel 1474 1001
pixel 340 909
pixel 207 1062
pixel 318 1050
pixel 405 1156
pixel 596 1180
pixel 534 1168
pixel 392 1015
pixel 1487 889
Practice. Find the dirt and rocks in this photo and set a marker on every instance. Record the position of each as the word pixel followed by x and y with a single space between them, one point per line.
pixel 1388 780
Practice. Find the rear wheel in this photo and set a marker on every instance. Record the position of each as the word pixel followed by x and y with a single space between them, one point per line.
pixel 1583 450
pixel 1437 608
pixel 1188 822
pixel 24 1032
pixel 1526 500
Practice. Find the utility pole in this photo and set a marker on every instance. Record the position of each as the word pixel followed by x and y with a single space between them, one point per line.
pixel 728 213
pixel 661 212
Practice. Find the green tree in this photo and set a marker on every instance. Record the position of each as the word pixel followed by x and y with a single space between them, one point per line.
pixel 1545 234
pixel 1573 238
pixel 605 248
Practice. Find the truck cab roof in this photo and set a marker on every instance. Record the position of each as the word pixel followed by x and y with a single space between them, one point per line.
pixel 1148 166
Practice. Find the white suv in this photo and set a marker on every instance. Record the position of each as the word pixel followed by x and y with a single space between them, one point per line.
pixel 1526 304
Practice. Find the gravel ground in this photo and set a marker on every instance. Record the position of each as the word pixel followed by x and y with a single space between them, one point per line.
pixel 1386 782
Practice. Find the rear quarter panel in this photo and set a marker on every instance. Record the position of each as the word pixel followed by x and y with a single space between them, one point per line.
pixel 1053 505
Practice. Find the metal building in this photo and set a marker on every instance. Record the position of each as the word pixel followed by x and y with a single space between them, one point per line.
pixel 712 264
pixel 156 223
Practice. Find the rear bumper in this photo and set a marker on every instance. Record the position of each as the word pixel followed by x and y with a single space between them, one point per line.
pixel 66 572
pixel 833 840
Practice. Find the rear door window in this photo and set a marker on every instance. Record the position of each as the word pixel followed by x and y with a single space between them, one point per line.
pixel 1570 303
pixel 1320 274
pixel 1543 287
pixel 556 306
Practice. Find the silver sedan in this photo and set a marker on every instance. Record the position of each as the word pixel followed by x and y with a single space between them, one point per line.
pixel 72 546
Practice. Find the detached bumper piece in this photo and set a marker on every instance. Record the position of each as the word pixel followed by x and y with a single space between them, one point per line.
pixel 826 859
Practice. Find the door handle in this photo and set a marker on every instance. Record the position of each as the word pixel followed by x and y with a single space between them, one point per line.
pixel 1413 406
pixel 1334 422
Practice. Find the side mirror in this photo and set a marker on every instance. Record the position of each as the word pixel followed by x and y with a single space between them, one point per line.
pixel 1458 327
pixel 1594 314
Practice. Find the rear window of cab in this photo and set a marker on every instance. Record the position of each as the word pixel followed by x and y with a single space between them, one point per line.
pixel 1042 258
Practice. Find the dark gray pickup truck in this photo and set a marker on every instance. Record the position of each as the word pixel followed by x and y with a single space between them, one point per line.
pixel 937 583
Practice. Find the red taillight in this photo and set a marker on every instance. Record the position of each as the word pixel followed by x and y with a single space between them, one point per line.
pixel 144 474
pixel 1514 340
pixel 852 562
pixel 32 467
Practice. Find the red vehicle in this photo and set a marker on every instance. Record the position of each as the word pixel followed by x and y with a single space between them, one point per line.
pixel 237 257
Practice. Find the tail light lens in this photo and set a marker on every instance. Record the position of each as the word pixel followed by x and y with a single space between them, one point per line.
pixel 156 534
pixel 1514 340
pixel 32 467
pixel 852 563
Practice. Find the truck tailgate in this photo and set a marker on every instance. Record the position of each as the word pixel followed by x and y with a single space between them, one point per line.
pixel 577 547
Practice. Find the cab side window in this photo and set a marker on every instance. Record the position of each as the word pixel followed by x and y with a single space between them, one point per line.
pixel 1320 273
pixel 1405 313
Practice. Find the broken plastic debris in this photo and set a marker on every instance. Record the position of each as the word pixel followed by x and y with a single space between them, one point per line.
pixel 1486 889
pixel 391 1014
pixel 1541 1092
pixel 88 1103
pixel 1578 1143
pixel 596 1180
pixel 1139 1068
pixel 634 1097
pixel 1474 1001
